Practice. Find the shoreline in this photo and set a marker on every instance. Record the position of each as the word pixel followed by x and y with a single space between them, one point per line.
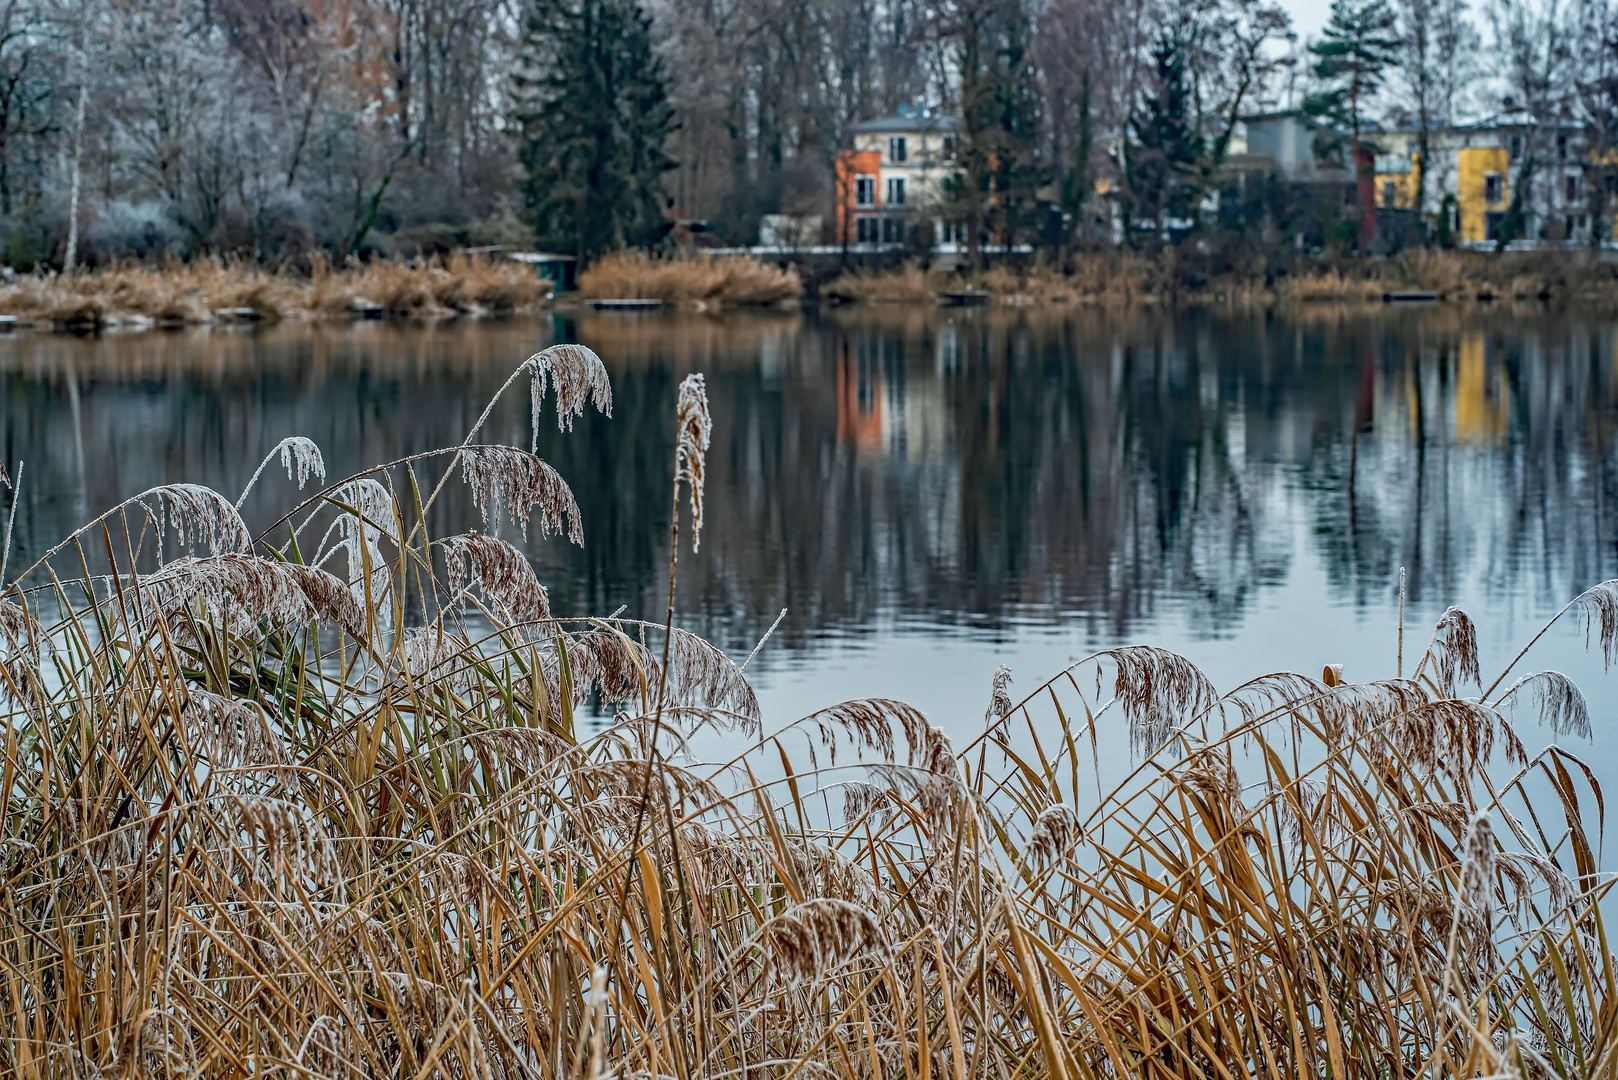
pixel 133 298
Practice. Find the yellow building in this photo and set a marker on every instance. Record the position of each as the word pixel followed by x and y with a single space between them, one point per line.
pixel 1482 190
pixel 1396 177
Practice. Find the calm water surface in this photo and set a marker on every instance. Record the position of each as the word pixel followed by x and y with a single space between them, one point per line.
pixel 932 494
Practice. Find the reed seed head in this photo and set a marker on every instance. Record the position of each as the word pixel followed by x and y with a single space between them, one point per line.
pixel 579 377
pixel 501 573
pixel 691 455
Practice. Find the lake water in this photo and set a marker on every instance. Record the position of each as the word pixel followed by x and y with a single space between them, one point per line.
pixel 932 493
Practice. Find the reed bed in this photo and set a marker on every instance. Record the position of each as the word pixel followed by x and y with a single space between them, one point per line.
pixel 212 290
pixel 319 802
pixel 1107 278
pixel 701 282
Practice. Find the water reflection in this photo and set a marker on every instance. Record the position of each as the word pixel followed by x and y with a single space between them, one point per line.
pixel 879 468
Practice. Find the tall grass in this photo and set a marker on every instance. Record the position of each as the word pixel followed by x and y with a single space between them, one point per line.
pixel 320 802
pixel 181 294
pixel 707 282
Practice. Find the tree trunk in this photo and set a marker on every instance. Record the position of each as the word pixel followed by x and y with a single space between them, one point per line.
pixel 71 257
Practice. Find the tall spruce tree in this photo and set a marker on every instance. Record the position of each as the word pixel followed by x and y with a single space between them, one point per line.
pixel 1165 143
pixel 1357 47
pixel 595 115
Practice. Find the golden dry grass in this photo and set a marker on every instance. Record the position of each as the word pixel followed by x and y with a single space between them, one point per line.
pixel 707 282
pixel 320 803
pixel 178 294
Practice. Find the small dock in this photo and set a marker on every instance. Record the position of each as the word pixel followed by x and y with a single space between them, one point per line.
pixel 627 304
pixel 965 297
pixel 1410 296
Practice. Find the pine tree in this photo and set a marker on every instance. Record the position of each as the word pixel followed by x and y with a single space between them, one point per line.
pixel 1358 44
pixel 595 115
pixel 1165 143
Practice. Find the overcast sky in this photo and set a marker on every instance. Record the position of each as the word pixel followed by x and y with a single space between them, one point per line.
pixel 1308 16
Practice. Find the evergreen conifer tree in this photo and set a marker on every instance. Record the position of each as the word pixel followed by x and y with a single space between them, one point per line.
pixel 1356 48
pixel 1165 143
pixel 595 115
pixel 1001 164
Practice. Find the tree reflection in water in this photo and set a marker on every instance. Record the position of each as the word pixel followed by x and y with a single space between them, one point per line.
pixel 879 466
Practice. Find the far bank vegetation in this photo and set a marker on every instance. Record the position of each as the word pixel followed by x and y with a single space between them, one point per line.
pixel 1122 279
pixel 704 282
pixel 213 290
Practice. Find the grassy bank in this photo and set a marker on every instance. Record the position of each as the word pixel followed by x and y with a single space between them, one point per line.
pixel 320 802
pixel 1121 279
pixel 210 290
pixel 703 283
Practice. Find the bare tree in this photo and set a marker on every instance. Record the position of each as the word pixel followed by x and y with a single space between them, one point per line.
pixel 1435 62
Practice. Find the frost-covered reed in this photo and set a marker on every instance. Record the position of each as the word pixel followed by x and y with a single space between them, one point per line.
pixel 317 802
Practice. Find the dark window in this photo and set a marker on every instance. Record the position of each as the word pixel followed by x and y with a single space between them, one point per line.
pixel 1493 188
pixel 1561 147
pixel 1568 226
pixel 896 148
pixel 865 191
pixel 896 191
pixel 1516 147
pixel 892 231
pixel 865 230
pixel 1573 189
pixel 949 148
pixel 1390 194
pixel 1491 224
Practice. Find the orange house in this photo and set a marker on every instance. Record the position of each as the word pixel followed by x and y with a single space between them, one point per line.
pixel 859 199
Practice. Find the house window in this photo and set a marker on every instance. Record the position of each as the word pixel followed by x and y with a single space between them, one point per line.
pixel 949 148
pixel 951 232
pixel 1516 147
pixel 896 148
pixel 1491 224
pixel 1573 189
pixel 896 191
pixel 1494 188
pixel 1567 226
pixel 865 191
pixel 893 231
pixel 1561 147
pixel 1390 194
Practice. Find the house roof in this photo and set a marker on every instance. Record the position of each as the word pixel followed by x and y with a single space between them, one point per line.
pixel 901 123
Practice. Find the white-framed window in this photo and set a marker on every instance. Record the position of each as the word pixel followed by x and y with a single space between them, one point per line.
pixel 896 148
pixel 1516 147
pixel 865 191
pixel 1494 188
pixel 867 230
pixel 893 231
pixel 1573 189
pixel 951 232
pixel 896 191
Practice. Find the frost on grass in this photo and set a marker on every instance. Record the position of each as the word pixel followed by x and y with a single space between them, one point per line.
pixel 198 515
pixel 505 480
pixel 578 376
pixel 691 455
pixel 501 573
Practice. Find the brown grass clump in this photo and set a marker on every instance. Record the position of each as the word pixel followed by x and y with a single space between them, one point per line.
pixel 909 284
pixel 276 805
pixel 707 282
pixel 208 290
